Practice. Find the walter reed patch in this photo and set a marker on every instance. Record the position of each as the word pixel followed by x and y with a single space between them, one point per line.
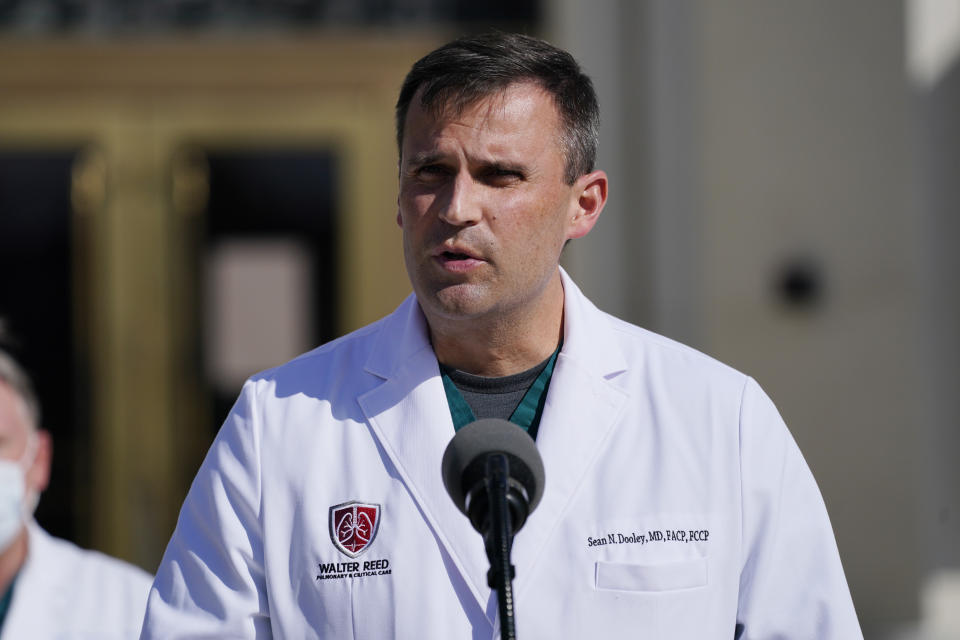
pixel 354 526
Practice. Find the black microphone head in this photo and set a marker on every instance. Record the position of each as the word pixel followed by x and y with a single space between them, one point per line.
pixel 463 461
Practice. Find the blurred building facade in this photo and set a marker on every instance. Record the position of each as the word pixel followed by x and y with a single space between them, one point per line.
pixel 782 198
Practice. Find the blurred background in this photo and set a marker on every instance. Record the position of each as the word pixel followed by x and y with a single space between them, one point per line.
pixel 194 190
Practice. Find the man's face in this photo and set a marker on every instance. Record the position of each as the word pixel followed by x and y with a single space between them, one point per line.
pixel 483 204
pixel 15 438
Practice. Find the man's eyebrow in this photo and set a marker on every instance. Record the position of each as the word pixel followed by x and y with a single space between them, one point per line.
pixel 424 157
pixel 506 165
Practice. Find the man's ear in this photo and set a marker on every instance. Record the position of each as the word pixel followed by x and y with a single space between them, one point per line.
pixel 399 218
pixel 38 475
pixel 590 193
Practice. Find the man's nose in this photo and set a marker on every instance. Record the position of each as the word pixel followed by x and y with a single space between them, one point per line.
pixel 463 208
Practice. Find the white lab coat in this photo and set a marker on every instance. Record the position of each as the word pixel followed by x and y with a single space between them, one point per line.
pixel 639 435
pixel 64 592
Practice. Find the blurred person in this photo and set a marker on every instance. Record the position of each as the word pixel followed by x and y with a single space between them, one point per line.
pixel 50 588
pixel 676 503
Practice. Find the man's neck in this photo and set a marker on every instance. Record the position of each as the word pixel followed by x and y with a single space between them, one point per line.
pixel 500 346
pixel 12 559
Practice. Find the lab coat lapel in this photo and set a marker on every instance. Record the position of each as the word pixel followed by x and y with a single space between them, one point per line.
pixel 581 409
pixel 409 415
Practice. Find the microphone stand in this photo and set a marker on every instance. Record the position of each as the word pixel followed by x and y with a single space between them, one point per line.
pixel 499 540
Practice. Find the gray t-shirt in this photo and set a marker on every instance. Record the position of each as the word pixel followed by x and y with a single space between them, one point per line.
pixel 493 397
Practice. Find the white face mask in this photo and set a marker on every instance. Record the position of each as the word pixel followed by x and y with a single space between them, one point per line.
pixel 16 505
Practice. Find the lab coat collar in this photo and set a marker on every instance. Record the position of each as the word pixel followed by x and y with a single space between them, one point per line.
pixel 409 415
pixel 587 333
pixel 403 336
pixel 38 600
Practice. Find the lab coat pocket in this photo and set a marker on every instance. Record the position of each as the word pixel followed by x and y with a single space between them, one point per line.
pixel 672 576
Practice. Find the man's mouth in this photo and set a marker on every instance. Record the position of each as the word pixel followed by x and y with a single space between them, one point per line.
pixel 455 252
pixel 454 260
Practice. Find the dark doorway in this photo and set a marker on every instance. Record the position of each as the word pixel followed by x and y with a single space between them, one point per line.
pixel 268 263
pixel 37 305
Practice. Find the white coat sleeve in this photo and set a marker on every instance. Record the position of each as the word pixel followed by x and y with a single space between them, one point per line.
pixel 791 581
pixel 211 583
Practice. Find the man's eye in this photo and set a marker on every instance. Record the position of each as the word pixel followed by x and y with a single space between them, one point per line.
pixel 432 170
pixel 504 176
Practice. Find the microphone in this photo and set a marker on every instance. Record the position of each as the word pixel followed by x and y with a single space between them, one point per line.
pixel 494 474
pixel 464 470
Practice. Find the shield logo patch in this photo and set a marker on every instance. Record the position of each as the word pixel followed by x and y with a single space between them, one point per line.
pixel 353 526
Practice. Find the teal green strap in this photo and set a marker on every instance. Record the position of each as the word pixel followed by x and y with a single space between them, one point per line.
pixel 528 412
pixel 5 601
pixel 460 411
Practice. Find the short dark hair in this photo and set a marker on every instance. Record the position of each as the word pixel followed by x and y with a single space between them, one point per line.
pixel 471 68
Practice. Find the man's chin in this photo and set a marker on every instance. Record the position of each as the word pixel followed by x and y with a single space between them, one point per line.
pixel 457 302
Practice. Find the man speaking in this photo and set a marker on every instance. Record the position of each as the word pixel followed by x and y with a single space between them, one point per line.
pixel 676 504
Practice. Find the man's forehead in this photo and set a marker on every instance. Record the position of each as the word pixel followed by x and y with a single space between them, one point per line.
pixel 451 105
